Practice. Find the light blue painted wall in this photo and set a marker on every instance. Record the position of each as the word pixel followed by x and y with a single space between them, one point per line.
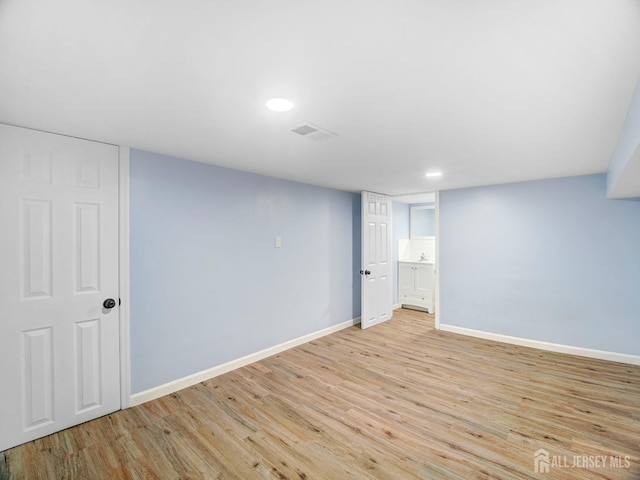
pixel 628 141
pixel 400 226
pixel 207 284
pixel 550 260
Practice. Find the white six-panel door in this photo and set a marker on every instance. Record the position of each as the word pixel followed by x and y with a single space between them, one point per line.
pixel 59 346
pixel 377 306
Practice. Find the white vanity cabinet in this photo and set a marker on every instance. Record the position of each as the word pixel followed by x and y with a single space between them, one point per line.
pixel 415 284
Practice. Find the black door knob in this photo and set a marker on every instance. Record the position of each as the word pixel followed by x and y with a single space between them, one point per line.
pixel 367 272
pixel 109 303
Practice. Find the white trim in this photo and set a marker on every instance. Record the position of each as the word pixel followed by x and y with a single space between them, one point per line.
pixel 179 384
pixel 396 306
pixel 436 267
pixel 125 358
pixel 552 347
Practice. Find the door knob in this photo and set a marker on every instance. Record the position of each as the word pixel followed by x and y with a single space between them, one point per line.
pixel 367 272
pixel 109 303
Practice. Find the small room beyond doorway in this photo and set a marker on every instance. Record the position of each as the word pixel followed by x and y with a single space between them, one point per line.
pixel 414 239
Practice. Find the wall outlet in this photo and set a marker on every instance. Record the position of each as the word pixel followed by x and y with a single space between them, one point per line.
pixel 278 242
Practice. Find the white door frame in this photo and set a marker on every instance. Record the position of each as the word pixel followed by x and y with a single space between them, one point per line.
pixel 123 214
pixel 436 267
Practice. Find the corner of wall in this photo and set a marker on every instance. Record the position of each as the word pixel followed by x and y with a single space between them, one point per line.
pixel 625 161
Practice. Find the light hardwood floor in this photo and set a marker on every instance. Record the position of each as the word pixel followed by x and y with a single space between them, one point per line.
pixel 399 400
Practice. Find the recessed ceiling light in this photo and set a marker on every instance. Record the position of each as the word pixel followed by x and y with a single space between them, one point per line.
pixel 279 104
pixel 434 174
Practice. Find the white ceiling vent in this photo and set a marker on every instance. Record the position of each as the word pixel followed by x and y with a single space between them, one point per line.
pixel 314 132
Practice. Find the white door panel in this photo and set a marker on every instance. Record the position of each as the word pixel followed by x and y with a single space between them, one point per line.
pixel 376 259
pixel 59 348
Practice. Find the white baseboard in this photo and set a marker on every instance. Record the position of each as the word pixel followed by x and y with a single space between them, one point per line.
pixel 396 306
pixel 552 347
pixel 179 384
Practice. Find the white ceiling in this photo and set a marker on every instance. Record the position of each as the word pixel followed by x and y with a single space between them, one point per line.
pixel 488 91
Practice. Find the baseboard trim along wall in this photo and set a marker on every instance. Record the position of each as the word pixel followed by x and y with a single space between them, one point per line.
pixel 188 381
pixel 552 347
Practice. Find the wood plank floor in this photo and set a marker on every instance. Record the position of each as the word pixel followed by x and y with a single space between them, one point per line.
pixel 400 400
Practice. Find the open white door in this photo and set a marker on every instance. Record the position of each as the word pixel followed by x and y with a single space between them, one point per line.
pixel 377 304
pixel 59 314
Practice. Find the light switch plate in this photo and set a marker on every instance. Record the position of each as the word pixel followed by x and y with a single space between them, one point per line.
pixel 278 242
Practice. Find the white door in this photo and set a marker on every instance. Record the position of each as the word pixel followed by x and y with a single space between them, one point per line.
pixel 59 346
pixel 377 305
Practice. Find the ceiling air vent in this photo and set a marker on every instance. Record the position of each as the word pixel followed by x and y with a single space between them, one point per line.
pixel 314 132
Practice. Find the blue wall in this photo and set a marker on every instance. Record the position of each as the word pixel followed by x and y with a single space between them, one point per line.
pixel 207 284
pixel 550 260
pixel 400 227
